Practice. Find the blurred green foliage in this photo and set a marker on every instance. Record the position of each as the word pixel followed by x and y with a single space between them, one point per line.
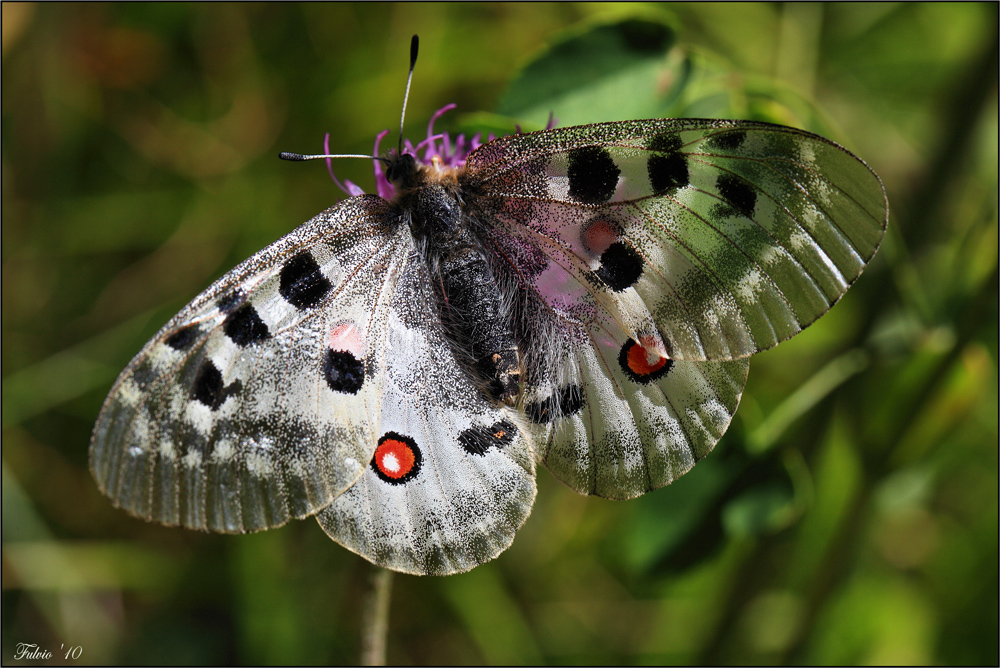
pixel 849 515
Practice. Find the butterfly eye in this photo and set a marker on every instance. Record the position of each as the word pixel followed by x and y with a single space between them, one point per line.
pixel 401 169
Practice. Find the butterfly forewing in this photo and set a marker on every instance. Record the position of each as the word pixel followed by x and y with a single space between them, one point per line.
pixel 452 478
pixel 734 235
pixel 253 405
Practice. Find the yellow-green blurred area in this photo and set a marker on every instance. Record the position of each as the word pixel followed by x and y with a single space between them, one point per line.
pixel 849 515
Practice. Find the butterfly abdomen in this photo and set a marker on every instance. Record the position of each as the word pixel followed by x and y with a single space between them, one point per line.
pixel 475 309
pixel 472 303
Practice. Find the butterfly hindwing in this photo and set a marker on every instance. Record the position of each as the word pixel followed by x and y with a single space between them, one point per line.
pixel 613 416
pixel 255 403
pixel 733 235
pixel 452 478
pixel 618 434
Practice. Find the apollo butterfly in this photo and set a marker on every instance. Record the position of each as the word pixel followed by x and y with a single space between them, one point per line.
pixel 584 297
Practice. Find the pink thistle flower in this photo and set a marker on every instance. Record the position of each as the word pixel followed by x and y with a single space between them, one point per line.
pixel 427 152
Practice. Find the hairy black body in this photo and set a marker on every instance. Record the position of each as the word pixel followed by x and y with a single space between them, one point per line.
pixel 471 300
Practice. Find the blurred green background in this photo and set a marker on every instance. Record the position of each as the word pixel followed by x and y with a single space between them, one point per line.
pixel 849 515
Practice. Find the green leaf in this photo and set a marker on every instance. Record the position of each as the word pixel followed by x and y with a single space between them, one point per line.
pixel 611 72
pixel 761 509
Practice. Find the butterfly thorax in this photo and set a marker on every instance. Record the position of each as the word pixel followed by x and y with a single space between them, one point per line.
pixel 471 301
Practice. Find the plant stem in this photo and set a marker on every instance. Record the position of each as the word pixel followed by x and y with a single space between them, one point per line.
pixel 375 616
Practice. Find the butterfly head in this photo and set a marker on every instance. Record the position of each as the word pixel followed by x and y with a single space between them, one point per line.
pixel 401 170
pixel 438 153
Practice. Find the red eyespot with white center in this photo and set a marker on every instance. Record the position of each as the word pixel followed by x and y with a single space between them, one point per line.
pixel 654 347
pixel 397 459
pixel 643 364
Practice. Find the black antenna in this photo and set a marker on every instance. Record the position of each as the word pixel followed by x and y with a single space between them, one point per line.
pixel 414 47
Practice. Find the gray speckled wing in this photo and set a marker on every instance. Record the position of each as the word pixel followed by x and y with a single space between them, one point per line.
pixel 256 403
pixel 617 426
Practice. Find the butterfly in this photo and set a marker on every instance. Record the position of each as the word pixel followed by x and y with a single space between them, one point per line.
pixel 585 298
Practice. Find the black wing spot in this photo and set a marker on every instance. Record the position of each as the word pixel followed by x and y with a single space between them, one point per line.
pixel 666 142
pixel 667 168
pixel 182 338
pixel 301 282
pixel 208 385
pixel 208 388
pixel 343 371
pixel 228 302
pixel 143 375
pixel 563 403
pixel 477 440
pixel 593 175
pixel 729 141
pixel 245 327
pixel 737 193
pixel 620 266
pixel 667 173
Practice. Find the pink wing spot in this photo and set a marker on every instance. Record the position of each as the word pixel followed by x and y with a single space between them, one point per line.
pixel 346 337
pixel 599 235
